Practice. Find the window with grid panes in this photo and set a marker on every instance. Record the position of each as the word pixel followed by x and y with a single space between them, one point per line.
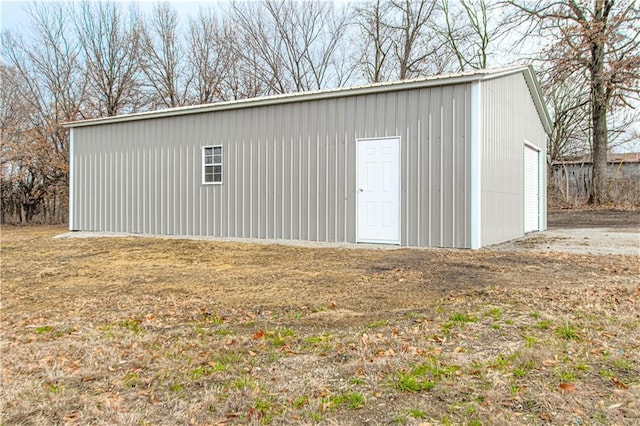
pixel 212 164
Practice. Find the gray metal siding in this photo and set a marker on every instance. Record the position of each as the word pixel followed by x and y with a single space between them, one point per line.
pixel 509 118
pixel 288 169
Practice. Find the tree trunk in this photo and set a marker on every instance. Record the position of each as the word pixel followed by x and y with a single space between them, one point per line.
pixel 599 103
pixel 599 155
pixel 566 182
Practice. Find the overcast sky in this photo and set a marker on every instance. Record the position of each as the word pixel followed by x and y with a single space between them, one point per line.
pixel 14 13
pixel 15 18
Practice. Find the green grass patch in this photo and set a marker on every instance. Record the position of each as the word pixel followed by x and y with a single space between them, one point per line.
pixel 376 324
pixel 43 329
pixel 522 369
pixel 223 332
pixel 410 383
pixel 352 400
pixel 300 401
pixel 504 362
pixel 530 341
pixel 206 370
pixel 495 313
pixel 622 364
pixel 131 380
pixel 279 337
pixel 176 387
pixel 567 332
pixel 318 339
pixel 357 381
pixel 543 325
pixel 418 414
pixel 457 320
pixel 133 325
pixel 242 383
pixel 315 417
pixel 424 376
pixel 211 318
pixel 462 318
pixel 54 388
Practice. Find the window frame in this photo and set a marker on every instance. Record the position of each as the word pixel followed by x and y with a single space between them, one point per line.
pixel 213 163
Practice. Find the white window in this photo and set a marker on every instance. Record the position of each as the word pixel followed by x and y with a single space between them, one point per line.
pixel 211 164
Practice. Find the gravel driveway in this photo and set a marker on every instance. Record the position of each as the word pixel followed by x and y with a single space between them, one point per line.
pixel 598 232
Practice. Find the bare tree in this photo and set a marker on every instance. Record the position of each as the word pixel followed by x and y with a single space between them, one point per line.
pixel 212 58
pixel 376 37
pixel 469 30
pixel 412 32
pixel 601 39
pixel 161 57
pixel 568 101
pixel 397 39
pixel 43 86
pixel 110 38
pixel 291 46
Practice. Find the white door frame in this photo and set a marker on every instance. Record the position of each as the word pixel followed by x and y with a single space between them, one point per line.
pixel 359 187
pixel 530 146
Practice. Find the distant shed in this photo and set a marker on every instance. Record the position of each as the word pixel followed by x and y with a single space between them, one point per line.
pixel 445 161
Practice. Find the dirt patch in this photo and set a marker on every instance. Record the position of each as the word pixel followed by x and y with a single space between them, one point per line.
pixel 590 232
pixel 587 218
pixel 166 331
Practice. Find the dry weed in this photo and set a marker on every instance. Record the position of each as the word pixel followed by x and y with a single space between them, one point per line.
pixel 152 331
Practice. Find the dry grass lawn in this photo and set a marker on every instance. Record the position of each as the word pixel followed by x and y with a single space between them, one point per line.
pixel 161 331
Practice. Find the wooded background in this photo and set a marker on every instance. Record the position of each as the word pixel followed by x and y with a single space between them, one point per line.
pixel 80 60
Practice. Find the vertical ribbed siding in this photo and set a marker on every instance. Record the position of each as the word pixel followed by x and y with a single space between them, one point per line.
pixel 509 118
pixel 288 169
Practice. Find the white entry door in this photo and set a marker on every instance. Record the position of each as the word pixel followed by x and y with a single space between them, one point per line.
pixel 531 190
pixel 378 191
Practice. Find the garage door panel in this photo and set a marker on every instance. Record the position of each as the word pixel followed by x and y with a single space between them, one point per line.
pixel 531 190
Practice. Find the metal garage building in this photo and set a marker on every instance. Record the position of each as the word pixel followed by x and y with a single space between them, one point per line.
pixel 445 161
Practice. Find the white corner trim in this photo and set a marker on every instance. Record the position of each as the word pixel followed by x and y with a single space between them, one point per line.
pixel 532 146
pixel 476 165
pixel 71 184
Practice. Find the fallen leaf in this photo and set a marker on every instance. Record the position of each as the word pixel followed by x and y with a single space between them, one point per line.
pixel 567 387
pixel 619 384
pixel 546 416
pixel 254 414
pixel 71 417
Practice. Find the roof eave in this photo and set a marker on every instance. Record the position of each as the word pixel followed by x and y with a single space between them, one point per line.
pixel 335 93
pixel 282 99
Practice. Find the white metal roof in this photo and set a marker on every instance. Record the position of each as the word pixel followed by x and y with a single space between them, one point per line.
pixel 437 80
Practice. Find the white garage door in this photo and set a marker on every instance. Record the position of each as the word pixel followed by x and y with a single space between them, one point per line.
pixel 378 191
pixel 531 190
